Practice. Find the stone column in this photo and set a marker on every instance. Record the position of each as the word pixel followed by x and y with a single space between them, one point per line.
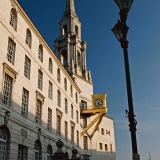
pixel 68 53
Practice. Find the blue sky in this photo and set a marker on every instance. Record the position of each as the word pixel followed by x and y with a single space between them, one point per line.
pixel 105 60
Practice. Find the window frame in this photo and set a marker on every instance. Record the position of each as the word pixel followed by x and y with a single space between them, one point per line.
pixel 28 39
pixel 27 67
pixel 50 65
pixel 40 53
pixel 25 102
pixel 13 18
pixel 85 143
pixel 66 130
pixel 66 105
pixel 58 75
pixel 58 98
pixel 40 79
pixel 50 90
pixel 72 111
pixel 58 124
pixel 49 120
pixel 38 113
pixel 11 51
pixel 7 88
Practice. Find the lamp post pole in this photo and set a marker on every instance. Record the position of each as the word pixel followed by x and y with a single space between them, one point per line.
pixel 120 30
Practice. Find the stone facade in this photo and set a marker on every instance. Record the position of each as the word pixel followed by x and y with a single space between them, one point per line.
pixel 41 92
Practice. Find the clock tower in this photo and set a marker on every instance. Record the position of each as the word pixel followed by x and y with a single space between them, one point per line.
pixel 70 48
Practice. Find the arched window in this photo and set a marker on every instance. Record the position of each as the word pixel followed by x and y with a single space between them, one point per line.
pixel 64 57
pixel 65 84
pixel 58 75
pixel 71 91
pixel 64 31
pixel 76 96
pixel 50 65
pixel 3 143
pixel 40 53
pixel 28 38
pixel 49 152
pixel 37 150
pixel 13 18
pixel 79 59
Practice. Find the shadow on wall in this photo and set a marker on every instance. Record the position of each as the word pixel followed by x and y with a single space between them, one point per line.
pixel 22 137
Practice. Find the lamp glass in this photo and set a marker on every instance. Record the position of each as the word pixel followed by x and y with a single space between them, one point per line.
pixel 124 4
pixel 117 30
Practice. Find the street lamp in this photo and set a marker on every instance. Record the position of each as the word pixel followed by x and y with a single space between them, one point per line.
pixel 120 30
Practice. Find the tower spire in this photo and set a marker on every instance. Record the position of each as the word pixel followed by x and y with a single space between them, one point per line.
pixel 70 6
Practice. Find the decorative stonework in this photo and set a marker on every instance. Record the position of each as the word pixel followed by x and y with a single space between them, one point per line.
pixel 10 71
pixel 12 37
pixel 39 133
pixel 6 118
pixel 72 124
pixel 13 4
pixel 24 136
pixel 59 113
pixel 39 96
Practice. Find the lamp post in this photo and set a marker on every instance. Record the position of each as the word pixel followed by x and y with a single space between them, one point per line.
pixel 120 30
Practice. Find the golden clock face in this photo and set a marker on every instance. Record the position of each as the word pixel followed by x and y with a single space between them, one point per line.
pixel 98 103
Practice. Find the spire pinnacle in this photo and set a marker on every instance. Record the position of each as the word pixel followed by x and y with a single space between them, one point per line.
pixel 70 6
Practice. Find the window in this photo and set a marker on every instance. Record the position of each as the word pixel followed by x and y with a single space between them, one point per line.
pixel 50 65
pixel 13 18
pixel 50 90
pixel 40 53
pixel 77 138
pixel 22 152
pixel 27 65
pixel 25 97
pixel 111 148
pixel 66 105
pixel 11 51
pixel 83 105
pixel 58 75
pixel 85 143
pixel 72 134
pixel 49 152
pixel 76 96
pixel 38 111
pixel 66 130
pixel 100 146
pixel 40 79
pixel 3 143
pixel 76 29
pixel 71 91
pixel 77 119
pixel 7 87
pixel 64 30
pixel 84 122
pixel 28 38
pixel 49 122
pixel 37 150
pixel 102 131
pixel 58 98
pixel 71 111
pixel 64 58
pixel 65 84
pixel 79 59
pixel 106 147
pixel 58 125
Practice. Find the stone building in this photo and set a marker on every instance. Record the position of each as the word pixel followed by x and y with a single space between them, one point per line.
pixel 42 93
